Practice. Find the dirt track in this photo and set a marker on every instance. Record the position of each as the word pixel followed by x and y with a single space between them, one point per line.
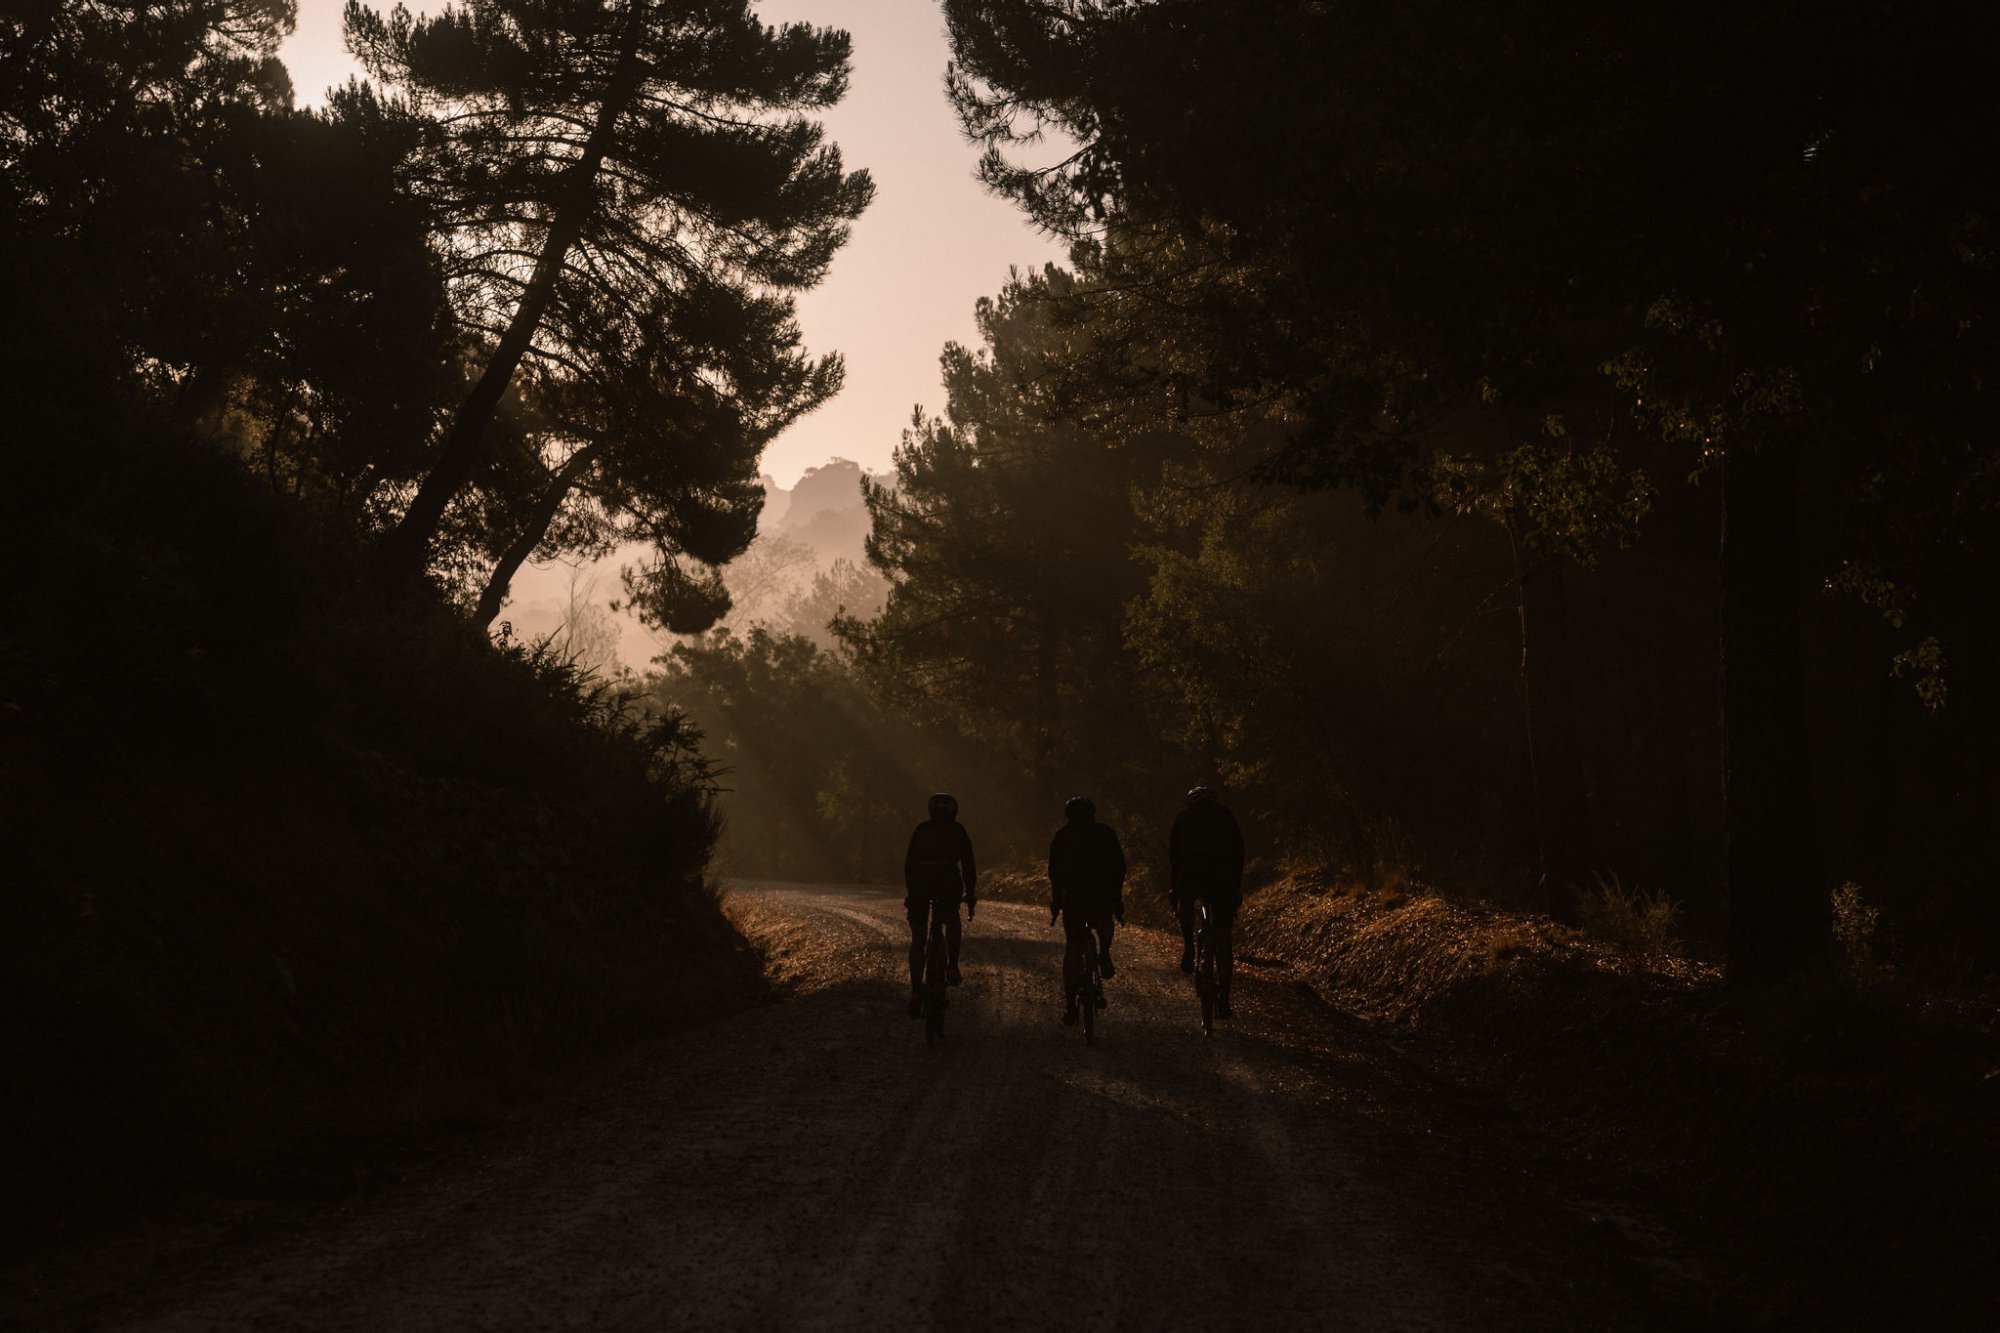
pixel 812 1164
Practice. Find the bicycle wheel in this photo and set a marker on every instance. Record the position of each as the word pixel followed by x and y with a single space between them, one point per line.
pixel 1204 977
pixel 1088 1001
pixel 934 997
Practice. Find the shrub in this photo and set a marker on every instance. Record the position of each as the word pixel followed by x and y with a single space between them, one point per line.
pixel 1856 922
pixel 1633 919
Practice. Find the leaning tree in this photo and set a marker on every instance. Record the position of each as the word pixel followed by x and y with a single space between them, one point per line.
pixel 626 193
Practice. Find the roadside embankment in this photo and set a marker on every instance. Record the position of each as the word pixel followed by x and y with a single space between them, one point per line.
pixel 296 880
pixel 1842 1163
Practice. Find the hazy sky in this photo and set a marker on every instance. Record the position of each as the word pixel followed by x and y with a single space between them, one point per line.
pixel 933 243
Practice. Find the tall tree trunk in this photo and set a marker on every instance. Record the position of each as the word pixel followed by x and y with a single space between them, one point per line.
pixel 1048 704
pixel 405 549
pixel 1668 818
pixel 1555 778
pixel 1779 926
pixel 531 533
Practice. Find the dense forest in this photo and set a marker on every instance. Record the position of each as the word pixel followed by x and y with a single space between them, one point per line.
pixel 1536 453
pixel 1539 452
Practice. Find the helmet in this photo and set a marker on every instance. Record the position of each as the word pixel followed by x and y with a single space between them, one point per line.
pixel 944 806
pixel 1079 808
pixel 1196 795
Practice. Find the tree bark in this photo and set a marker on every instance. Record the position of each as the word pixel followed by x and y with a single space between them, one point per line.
pixel 404 551
pixel 1669 817
pixel 1562 820
pixel 1048 704
pixel 530 536
pixel 1779 923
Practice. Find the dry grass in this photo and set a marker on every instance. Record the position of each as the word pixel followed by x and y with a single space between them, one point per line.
pixel 798 954
pixel 1635 919
pixel 1655 1079
pixel 1400 950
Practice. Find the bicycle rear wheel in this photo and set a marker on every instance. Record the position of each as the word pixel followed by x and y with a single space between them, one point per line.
pixel 1088 1002
pixel 934 996
pixel 1204 978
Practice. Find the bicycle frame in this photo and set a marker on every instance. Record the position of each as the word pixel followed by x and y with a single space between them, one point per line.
pixel 1204 969
pixel 937 956
pixel 1090 982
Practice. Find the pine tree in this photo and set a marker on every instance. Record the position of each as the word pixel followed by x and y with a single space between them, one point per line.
pixel 1004 535
pixel 625 193
pixel 174 228
pixel 1770 226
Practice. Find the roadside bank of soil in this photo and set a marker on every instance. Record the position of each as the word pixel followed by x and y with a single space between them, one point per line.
pixel 276 982
pixel 297 876
pixel 1843 1163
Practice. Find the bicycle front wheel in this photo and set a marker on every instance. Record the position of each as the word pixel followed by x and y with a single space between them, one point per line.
pixel 1204 986
pixel 935 961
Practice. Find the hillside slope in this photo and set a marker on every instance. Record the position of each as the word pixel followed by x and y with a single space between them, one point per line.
pixel 295 879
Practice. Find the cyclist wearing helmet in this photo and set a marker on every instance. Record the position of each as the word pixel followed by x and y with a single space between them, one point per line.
pixel 937 871
pixel 1205 853
pixel 1086 889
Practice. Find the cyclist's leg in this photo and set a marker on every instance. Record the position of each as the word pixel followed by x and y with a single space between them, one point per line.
pixel 947 908
pixel 918 909
pixel 1073 961
pixel 1095 931
pixel 1104 926
pixel 1222 925
pixel 1185 905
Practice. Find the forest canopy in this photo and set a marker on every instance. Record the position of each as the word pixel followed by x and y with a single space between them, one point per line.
pixel 1437 403
pixel 1440 401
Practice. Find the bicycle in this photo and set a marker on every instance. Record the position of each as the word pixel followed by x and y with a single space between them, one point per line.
pixel 1089 993
pixel 1204 969
pixel 937 957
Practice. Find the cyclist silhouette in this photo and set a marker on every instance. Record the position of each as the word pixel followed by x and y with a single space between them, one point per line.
pixel 937 872
pixel 1086 889
pixel 1205 853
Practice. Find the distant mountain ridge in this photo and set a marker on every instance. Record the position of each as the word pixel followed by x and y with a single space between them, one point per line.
pixel 823 511
pixel 803 533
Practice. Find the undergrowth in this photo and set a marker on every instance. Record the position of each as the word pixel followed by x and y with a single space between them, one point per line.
pixel 1865 1130
pixel 295 875
pixel 1635 919
pixel 1857 927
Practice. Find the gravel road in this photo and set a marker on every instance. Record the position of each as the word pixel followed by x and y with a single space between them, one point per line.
pixel 811 1164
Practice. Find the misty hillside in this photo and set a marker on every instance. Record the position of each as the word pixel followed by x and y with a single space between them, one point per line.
pixel 802 534
pixel 822 512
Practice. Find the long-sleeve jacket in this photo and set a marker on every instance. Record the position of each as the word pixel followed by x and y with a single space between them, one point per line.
pixel 939 862
pixel 1205 852
pixel 1086 871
